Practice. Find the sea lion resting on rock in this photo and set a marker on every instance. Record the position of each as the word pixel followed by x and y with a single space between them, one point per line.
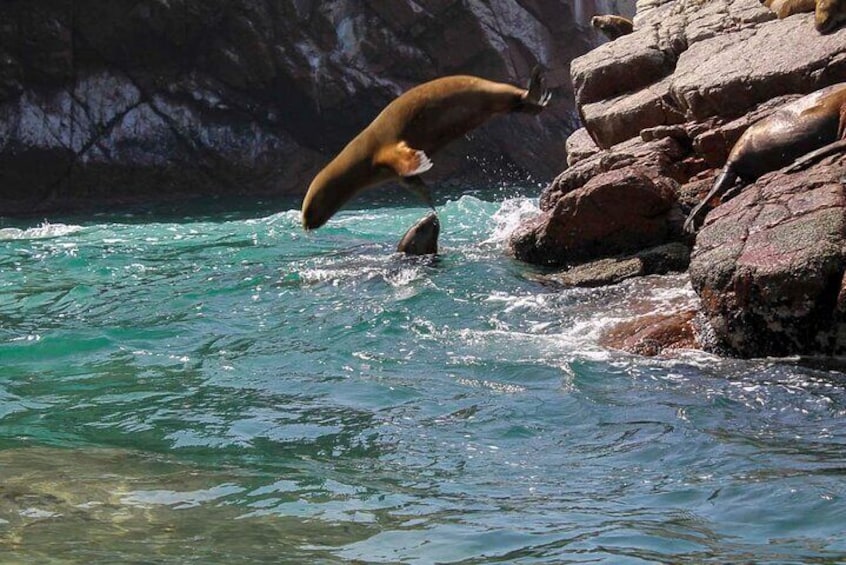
pixel 398 143
pixel 828 14
pixel 422 237
pixel 813 123
pixel 612 26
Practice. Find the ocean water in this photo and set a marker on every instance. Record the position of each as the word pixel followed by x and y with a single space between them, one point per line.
pixel 216 386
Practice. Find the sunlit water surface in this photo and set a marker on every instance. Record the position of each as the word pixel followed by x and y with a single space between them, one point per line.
pixel 222 387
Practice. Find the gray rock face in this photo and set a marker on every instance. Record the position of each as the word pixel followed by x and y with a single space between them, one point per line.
pixel 692 60
pixel 142 100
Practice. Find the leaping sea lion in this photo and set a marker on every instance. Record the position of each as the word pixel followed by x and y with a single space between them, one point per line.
pixel 612 26
pixel 398 144
pixel 810 126
pixel 422 237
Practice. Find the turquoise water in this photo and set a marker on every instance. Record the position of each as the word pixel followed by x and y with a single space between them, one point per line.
pixel 221 387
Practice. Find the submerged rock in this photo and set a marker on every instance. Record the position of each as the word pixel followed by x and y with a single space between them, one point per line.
pixel 654 334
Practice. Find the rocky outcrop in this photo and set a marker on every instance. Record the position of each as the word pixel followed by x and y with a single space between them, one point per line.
pixel 696 60
pixel 769 265
pixel 143 100
pixel 660 260
pixel 665 105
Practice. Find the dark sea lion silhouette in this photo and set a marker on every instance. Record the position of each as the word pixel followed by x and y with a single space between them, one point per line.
pixel 422 237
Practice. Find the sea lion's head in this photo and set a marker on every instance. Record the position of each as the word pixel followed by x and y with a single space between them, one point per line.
pixel 829 14
pixel 611 25
pixel 327 193
pixel 422 237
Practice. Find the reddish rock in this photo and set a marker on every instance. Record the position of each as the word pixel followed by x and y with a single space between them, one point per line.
pixel 669 101
pixel 618 211
pixel 654 334
pixel 769 264
pixel 580 146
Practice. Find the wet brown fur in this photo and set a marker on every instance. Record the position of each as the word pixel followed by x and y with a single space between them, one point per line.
pixel 425 118
pixel 805 126
pixel 828 14
pixel 422 237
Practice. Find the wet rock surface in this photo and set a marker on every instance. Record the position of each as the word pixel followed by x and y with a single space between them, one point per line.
pixel 769 265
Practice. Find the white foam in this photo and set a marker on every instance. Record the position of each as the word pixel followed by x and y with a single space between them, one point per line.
pixel 45 231
pixel 511 214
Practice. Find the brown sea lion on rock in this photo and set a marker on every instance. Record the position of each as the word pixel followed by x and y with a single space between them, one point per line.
pixel 811 125
pixel 612 26
pixel 828 14
pixel 422 237
pixel 398 143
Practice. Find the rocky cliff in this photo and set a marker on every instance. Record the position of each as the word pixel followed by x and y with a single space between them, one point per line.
pixel 662 108
pixel 127 100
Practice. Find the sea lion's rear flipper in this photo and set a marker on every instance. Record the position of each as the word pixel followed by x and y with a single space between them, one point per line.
pixel 416 185
pixel 723 183
pixel 404 160
pixel 537 96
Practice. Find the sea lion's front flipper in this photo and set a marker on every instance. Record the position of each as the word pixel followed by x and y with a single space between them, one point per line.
pixel 808 159
pixel 404 160
pixel 723 183
pixel 416 185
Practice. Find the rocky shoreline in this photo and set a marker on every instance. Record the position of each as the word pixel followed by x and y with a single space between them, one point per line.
pixel 663 107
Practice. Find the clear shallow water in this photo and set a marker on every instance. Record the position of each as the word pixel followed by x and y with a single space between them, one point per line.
pixel 225 388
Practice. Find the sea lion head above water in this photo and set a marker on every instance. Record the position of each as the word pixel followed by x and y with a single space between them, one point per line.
pixel 399 141
pixel 422 237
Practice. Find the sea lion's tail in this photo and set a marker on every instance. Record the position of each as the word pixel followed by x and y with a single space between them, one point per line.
pixel 537 95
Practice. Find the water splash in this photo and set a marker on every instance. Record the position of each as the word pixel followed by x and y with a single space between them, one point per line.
pixel 44 231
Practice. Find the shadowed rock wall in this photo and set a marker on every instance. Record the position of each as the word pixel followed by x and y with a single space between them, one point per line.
pixel 133 100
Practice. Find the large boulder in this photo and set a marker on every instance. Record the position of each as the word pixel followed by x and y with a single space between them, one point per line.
pixel 689 60
pixel 620 211
pixel 144 99
pixel 609 203
pixel 769 265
